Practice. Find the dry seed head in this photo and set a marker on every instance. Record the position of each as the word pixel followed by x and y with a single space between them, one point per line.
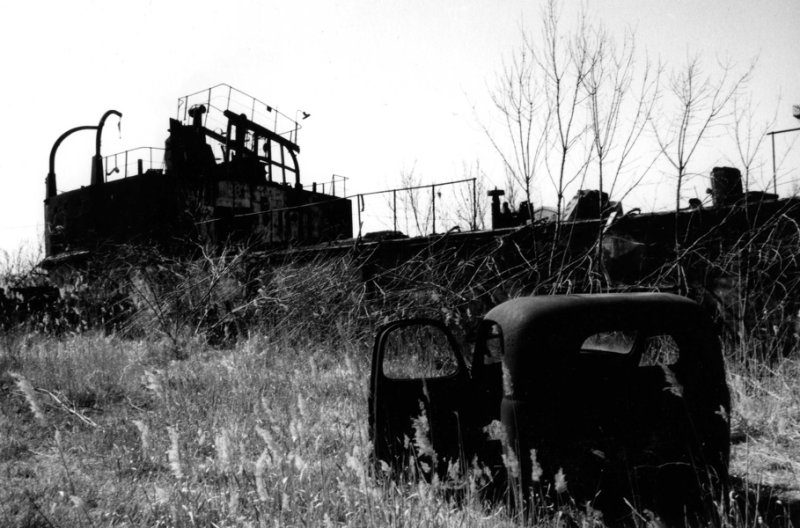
pixel 355 462
pixel 422 441
pixel 152 380
pixel 561 481
pixel 233 503
pixel 453 471
pixel 174 454
pixel 673 385
pixel 511 462
pixel 349 364
pixel 299 464
pixel 267 437
pixel 27 390
pixel 425 391
pixel 295 429
pixel 495 431
pixel 144 437
pixel 222 447
pixel 162 495
pixel 312 367
pixel 261 464
pixel 77 502
pixel 536 469
pixel 423 490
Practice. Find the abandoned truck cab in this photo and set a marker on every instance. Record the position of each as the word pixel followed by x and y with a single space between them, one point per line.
pixel 623 396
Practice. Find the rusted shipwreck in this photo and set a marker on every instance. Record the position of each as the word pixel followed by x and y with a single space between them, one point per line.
pixel 230 174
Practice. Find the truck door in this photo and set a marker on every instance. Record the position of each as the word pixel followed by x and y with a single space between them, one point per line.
pixel 418 398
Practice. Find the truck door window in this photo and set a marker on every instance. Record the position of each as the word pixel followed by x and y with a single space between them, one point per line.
pixel 649 349
pixel 493 344
pixel 614 342
pixel 418 351
pixel 659 350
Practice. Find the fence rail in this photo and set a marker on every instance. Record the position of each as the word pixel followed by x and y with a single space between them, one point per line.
pixel 133 162
pixel 419 209
pixel 337 184
pixel 223 97
pixel 422 215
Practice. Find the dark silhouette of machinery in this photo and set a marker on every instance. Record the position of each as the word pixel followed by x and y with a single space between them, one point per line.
pixel 230 174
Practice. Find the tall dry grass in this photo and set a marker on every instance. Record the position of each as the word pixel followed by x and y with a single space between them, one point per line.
pixel 258 435
pixel 234 394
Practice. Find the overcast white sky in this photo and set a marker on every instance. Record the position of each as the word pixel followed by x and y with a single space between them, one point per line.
pixel 389 85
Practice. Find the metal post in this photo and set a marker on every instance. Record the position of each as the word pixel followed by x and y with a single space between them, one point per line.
pixel 205 119
pixel 394 207
pixel 97 160
pixel 283 166
pixel 126 163
pixel 774 166
pixel 474 204
pixel 774 169
pixel 359 205
pixel 139 166
pixel 433 207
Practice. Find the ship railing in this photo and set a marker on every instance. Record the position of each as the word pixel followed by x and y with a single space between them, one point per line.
pixel 417 210
pixel 335 186
pixel 133 162
pixel 420 210
pixel 222 97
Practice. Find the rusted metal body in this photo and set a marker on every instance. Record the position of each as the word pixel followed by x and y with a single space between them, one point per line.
pixel 230 174
pixel 623 395
pixel 226 177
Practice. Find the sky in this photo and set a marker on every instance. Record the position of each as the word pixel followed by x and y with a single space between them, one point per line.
pixel 390 86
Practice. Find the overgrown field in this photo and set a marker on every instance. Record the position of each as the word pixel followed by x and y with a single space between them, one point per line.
pixel 208 407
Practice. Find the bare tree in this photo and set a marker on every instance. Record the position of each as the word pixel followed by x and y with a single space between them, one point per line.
pixel 620 101
pixel 565 67
pixel 519 99
pixel 412 204
pixel 618 111
pixel 512 190
pixel 698 103
pixel 748 134
pixel 471 206
pixel 562 100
